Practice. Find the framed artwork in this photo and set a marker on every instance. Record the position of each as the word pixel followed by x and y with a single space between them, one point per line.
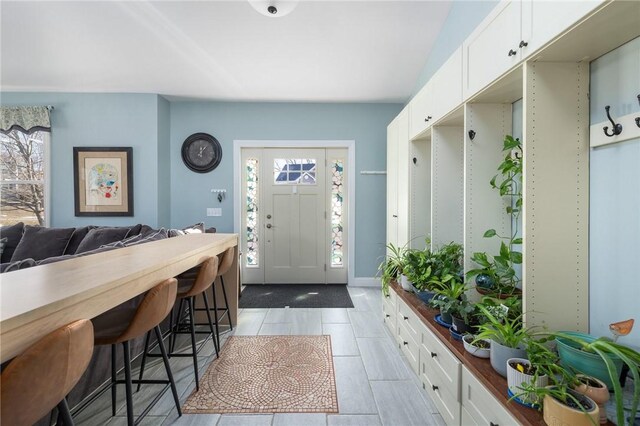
pixel 103 181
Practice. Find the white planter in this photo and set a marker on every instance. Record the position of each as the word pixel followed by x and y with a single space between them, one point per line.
pixel 517 379
pixel 474 350
pixel 405 283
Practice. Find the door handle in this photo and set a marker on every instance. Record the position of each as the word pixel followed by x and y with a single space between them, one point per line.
pixel 268 226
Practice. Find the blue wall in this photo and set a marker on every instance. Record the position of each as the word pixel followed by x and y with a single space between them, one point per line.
pixel 463 18
pixel 99 120
pixel 164 163
pixel 364 123
pixel 615 198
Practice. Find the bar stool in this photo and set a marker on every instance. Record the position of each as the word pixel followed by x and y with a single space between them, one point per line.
pixel 38 380
pixel 225 264
pixel 122 326
pixel 189 286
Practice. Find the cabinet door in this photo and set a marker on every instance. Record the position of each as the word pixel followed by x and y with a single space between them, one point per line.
pixel 544 20
pixel 392 182
pixel 421 110
pixel 447 86
pixel 492 48
pixel 403 178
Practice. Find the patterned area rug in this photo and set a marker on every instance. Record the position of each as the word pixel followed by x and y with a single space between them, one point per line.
pixel 269 374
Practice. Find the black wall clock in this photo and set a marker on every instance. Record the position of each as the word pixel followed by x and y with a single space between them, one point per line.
pixel 201 152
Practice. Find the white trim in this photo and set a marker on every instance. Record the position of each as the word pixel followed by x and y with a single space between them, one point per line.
pixel 366 282
pixel 350 145
pixel 47 178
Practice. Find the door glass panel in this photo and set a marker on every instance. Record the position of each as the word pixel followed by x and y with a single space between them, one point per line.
pixel 252 213
pixel 337 198
pixel 294 171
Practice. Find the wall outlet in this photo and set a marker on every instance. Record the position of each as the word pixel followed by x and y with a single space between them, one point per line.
pixel 214 212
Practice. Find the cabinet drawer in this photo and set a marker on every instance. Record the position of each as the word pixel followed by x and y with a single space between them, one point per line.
pixel 441 393
pixel 439 358
pixel 409 347
pixel 413 325
pixel 481 406
pixel 389 317
pixel 391 300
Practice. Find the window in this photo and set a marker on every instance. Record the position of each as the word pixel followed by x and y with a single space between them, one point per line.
pixel 252 212
pixel 23 163
pixel 294 171
pixel 337 198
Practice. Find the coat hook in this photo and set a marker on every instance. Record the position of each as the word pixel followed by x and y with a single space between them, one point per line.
pixel 472 134
pixel 638 118
pixel 616 127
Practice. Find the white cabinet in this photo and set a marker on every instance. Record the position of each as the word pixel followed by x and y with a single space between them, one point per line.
pixel 397 179
pixel 492 48
pixel 421 110
pixel 479 406
pixel 544 20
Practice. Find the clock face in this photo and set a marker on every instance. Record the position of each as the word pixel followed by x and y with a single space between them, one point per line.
pixel 201 152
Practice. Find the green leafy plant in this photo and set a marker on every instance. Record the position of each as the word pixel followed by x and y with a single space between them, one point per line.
pixel 425 268
pixel 392 266
pixel 508 182
pixel 417 268
pixel 507 332
pixel 560 392
pixel 450 291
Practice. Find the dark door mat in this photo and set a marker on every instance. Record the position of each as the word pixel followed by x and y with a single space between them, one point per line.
pixel 295 296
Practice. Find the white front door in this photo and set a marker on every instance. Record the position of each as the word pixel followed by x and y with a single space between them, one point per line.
pixel 294 216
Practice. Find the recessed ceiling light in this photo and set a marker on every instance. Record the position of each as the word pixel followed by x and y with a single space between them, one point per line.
pixel 274 8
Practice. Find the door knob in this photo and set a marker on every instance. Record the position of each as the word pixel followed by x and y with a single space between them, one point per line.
pixel 268 216
pixel 268 226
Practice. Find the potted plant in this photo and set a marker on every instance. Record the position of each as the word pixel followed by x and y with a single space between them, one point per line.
pixel 520 373
pixel 508 339
pixel 587 354
pixel 479 348
pixel 594 389
pixel 417 271
pixel 391 267
pixel 463 315
pixel 449 290
pixel 496 274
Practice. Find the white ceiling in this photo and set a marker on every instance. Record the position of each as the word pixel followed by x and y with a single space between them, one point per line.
pixel 323 51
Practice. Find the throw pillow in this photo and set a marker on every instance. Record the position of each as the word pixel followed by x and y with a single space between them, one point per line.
pixel 73 256
pixel 134 230
pixel 159 234
pixel 3 241
pixel 20 264
pixel 39 243
pixel 76 238
pixel 196 228
pixel 101 236
pixel 13 234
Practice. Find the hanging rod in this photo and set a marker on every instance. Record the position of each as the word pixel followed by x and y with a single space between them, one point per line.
pixel 373 172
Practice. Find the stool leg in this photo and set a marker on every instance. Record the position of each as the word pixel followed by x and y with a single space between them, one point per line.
pixel 226 304
pixel 114 389
pixel 193 342
pixel 144 358
pixel 215 335
pixel 64 413
pixel 174 333
pixel 167 367
pixel 128 386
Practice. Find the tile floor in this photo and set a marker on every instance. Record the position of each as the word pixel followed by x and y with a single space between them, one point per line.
pixel 374 382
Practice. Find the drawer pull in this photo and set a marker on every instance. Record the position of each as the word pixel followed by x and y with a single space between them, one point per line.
pixel 434 387
pixel 493 424
pixel 387 315
pixel 406 343
pixel 512 52
pixel 433 354
pixel 387 296
pixel 405 318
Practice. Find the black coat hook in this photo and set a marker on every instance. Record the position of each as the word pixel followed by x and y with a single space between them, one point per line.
pixel 615 127
pixel 638 118
pixel 472 134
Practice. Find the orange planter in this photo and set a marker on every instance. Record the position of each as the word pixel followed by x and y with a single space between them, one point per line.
pixel 599 393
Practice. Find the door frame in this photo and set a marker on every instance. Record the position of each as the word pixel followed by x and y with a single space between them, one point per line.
pixel 349 145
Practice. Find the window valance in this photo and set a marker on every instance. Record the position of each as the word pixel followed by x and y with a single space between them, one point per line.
pixel 27 119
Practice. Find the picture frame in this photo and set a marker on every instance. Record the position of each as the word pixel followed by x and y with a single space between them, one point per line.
pixel 103 181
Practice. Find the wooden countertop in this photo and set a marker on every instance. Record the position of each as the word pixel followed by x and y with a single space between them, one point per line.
pixel 481 368
pixel 36 301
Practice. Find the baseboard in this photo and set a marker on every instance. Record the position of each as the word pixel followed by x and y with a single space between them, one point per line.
pixel 365 282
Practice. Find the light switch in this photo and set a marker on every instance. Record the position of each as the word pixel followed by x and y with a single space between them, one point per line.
pixel 214 212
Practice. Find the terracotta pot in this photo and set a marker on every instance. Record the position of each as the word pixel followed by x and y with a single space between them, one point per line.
pixel 596 390
pixel 555 413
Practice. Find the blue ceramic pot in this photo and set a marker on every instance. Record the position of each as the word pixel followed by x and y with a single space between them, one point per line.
pixel 585 362
pixel 425 296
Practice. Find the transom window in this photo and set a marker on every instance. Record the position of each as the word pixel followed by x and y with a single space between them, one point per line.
pixel 294 171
